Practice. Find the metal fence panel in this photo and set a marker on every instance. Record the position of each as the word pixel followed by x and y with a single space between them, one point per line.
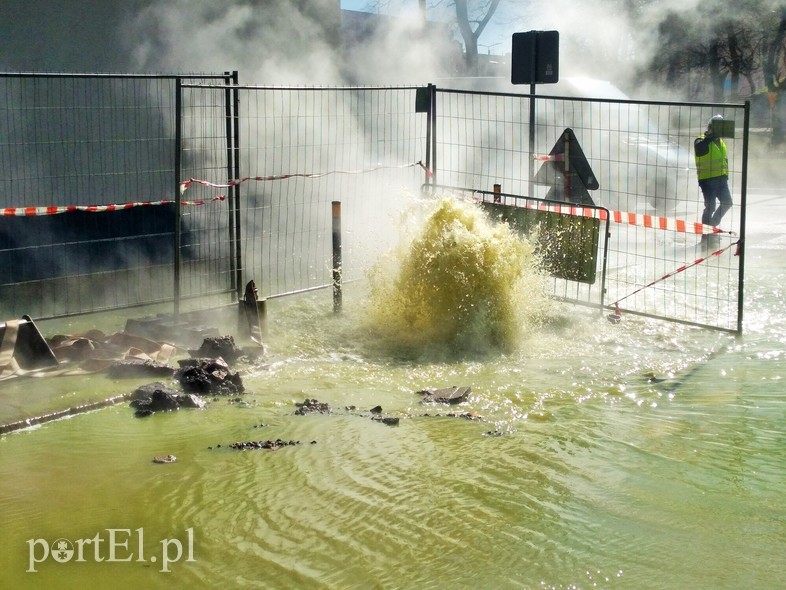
pixel 73 141
pixel 641 154
pixel 300 150
pixel 268 162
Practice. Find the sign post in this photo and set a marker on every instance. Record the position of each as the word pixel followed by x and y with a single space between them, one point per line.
pixel 534 60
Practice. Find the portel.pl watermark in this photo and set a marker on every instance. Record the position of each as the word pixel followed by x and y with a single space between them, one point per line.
pixel 111 546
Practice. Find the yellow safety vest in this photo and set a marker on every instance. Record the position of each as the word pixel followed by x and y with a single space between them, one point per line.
pixel 713 163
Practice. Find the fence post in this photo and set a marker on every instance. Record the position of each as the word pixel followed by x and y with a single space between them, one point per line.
pixel 178 195
pixel 231 115
pixel 743 207
pixel 433 116
pixel 336 210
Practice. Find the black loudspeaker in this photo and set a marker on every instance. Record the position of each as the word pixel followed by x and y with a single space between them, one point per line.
pixel 535 58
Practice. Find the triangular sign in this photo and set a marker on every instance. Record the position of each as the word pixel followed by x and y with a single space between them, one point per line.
pixel 567 162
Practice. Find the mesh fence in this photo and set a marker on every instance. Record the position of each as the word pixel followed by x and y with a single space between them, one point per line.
pixel 300 150
pixel 640 154
pixel 258 168
pixel 71 147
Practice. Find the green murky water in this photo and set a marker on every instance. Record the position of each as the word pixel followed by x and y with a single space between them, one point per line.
pixel 580 471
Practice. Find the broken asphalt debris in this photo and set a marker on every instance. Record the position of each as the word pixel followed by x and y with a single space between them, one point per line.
pixel 263 444
pixel 134 367
pixel 208 376
pixel 157 397
pixel 220 346
pixel 311 406
pixel 197 377
pixel 387 420
pixel 450 395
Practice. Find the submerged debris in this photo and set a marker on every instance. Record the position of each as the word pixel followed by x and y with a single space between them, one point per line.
pixel 464 415
pixel 219 346
pixel 205 376
pixel 312 406
pixel 156 397
pixel 263 444
pixel 165 459
pixel 387 420
pixel 134 367
pixel 450 395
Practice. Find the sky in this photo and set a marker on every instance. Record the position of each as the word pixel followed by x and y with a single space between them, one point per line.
pixel 283 42
pixel 495 39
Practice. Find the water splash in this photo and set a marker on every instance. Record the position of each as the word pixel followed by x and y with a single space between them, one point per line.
pixel 463 285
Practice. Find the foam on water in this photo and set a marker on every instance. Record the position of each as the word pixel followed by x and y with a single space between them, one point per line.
pixel 463 284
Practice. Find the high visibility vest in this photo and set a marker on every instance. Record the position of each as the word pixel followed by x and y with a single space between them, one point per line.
pixel 713 163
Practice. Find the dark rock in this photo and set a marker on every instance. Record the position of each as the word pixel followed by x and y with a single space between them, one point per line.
pixel 189 400
pixel 376 410
pixel 156 397
pixel 387 420
pixel 263 444
pixel 132 367
pixel 146 391
pixel 209 376
pixel 466 415
pixel 164 328
pixel 312 406
pixel 450 395
pixel 159 401
pixel 217 364
pixel 220 346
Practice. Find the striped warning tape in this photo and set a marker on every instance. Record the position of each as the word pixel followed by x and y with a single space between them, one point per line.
pixel 682 268
pixel 55 210
pixel 639 219
pixel 184 186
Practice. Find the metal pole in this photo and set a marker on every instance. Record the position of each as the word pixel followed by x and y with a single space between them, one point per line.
pixel 337 296
pixel 743 208
pixel 433 134
pixel 429 138
pixel 567 190
pixel 533 77
pixel 230 155
pixel 236 188
pixel 178 196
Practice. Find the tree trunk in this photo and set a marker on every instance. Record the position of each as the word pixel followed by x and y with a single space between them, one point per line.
pixel 469 35
pixel 774 56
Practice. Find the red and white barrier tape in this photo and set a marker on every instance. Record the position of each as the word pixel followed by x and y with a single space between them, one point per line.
pixel 185 185
pixel 55 210
pixel 684 267
pixel 640 219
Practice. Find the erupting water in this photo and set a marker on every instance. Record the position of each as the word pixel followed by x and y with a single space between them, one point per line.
pixel 464 284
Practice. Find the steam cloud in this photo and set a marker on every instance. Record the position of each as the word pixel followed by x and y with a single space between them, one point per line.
pixel 268 41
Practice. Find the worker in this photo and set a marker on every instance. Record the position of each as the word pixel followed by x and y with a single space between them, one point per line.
pixel 712 169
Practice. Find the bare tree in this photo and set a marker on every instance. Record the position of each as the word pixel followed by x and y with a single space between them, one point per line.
pixel 472 17
pixel 775 73
pixel 471 25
